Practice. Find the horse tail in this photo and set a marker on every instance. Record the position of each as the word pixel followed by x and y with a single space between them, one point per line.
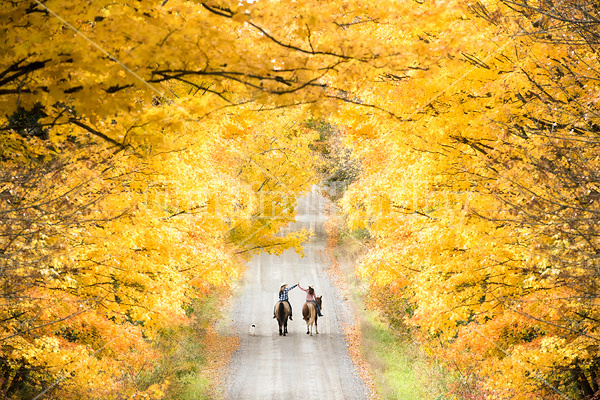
pixel 305 312
pixel 281 310
pixel 311 312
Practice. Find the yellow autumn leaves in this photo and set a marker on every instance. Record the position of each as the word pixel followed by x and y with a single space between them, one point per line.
pixel 480 198
pixel 120 204
pixel 128 187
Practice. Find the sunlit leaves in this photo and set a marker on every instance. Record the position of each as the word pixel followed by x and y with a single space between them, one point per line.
pixel 479 199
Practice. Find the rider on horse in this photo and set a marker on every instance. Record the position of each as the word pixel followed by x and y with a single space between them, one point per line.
pixel 283 296
pixel 311 296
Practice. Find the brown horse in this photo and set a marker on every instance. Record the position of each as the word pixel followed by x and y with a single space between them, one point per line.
pixel 310 315
pixel 282 313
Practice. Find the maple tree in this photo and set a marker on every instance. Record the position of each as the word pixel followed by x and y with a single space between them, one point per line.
pixel 276 166
pixel 143 151
pixel 481 201
pixel 131 244
pixel 336 166
pixel 147 148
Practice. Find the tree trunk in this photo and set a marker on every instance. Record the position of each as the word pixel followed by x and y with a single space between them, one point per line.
pixel 584 384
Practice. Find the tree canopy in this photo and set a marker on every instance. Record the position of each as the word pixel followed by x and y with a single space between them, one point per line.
pixel 148 148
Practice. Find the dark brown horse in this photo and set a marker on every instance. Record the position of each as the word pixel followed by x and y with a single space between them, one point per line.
pixel 282 313
pixel 310 315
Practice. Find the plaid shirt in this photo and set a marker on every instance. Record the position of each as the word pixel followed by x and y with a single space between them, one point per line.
pixel 283 295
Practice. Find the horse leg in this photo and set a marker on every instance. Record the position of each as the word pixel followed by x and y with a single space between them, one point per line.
pixel 316 325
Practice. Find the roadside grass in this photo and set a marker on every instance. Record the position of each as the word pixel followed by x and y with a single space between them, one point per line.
pixel 399 367
pixel 391 360
pixel 192 387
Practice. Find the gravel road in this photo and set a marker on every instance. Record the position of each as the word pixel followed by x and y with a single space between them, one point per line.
pixel 297 366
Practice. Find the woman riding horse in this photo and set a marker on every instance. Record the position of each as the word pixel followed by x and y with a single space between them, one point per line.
pixel 311 296
pixel 283 296
pixel 309 312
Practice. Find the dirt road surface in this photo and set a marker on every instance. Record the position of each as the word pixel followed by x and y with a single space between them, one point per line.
pixel 297 366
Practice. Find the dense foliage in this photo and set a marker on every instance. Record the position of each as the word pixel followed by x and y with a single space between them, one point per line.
pixel 147 147
pixel 482 197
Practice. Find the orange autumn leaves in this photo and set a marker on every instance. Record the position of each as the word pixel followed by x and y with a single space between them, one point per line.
pixel 105 261
pixel 481 201
pixel 119 205
pixel 476 124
